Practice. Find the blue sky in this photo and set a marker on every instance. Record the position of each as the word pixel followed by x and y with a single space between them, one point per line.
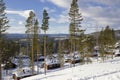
pixel 96 14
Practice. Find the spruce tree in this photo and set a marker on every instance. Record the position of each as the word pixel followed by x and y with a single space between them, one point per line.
pixel 45 28
pixel 3 27
pixel 74 27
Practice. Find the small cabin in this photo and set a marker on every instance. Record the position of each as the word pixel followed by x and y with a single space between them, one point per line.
pixel 72 57
pixel 117 49
pixel 117 52
pixel 21 73
pixel 76 58
pixel 96 52
pixel 52 62
pixel 23 59
pixel 41 58
pixel 67 58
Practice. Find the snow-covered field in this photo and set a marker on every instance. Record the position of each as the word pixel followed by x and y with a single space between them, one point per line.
pixel 108 70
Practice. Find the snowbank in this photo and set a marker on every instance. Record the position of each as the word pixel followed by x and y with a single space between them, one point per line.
pixel 109 70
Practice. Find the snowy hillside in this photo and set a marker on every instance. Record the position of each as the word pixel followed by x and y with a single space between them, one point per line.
pixel 108 70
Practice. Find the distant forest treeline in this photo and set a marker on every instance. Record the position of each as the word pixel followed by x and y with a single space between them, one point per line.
pixel 21 36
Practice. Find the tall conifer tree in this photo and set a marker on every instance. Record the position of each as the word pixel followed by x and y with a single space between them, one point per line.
pixel 45 27
pixel 32 34
pixel 74 27
pixel 29 25
pixel 3 27
pixel 106 40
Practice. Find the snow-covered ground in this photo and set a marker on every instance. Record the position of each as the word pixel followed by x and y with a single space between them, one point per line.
pixel 108 70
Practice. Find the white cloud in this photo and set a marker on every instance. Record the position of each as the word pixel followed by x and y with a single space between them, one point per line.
pixel 11 19
pixel 24 13
pixel 108 2
pixel 101 12
pixel 49 10
pixel 20 23
pixel 17 29
pixel 52 19
pixel 61 19
pixel 61 3
pixel 57 30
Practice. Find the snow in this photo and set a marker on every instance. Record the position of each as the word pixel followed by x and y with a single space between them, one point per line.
pixel 24 61
pixel 52 61
pixel 117 51
pixel 108 70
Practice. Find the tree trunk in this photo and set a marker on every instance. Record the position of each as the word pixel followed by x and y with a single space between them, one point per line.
pixel 0 71
pixel 32 55
pixel 0 60
pixel 71 49
pixel 45 67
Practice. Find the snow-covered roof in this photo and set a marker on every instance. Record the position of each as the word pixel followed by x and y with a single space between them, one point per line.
pixel 52 61
pixel 117 51
pixel 96 48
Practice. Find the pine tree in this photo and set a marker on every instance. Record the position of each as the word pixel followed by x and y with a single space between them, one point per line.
pixel 88 46
pixel 35 40
pixel 29 25
pixel 101 43
pixel 32 32
pixel 3 27
pixel 45 28
pixel 60 53
pixel 74 27
pixel 3 19
pixel 106 39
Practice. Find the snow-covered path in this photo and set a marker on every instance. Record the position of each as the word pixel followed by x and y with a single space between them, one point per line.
pixel 109 70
